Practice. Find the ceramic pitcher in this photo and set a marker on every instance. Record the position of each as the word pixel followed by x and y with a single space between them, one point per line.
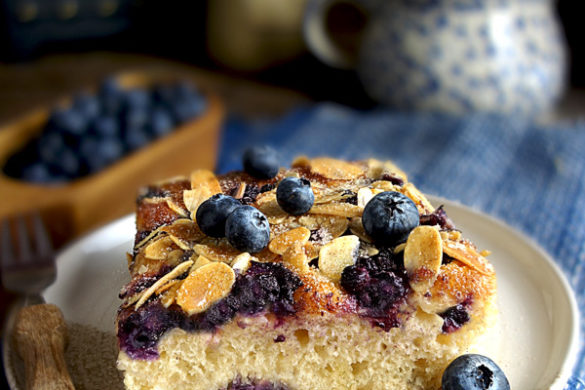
pixel 505 56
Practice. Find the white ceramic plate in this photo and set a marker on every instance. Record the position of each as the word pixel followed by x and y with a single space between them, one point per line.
pixel 535 342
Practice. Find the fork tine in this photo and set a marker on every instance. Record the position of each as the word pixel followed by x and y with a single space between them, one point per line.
pixel 24 250
pixel 7 255
pixel 41 237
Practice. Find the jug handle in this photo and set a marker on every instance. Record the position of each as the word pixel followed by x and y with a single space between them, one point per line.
pixel 333 29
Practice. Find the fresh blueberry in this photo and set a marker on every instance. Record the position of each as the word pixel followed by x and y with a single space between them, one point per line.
pixel 50 146
pixel 389 217
pixel 163 94
pixel 136 138
pixel 110 148
pixel 261 162
pixel 87 105
pixel 213 213
pixel 69 163
pixel 111 97
pixel 474 372
pixel 37 173
pixel 67 121
pixel 247 229
pixel 185 110
pixel 107 126
pixel 161 122
pixel 135 118
pixel 137 99
pixel 294 195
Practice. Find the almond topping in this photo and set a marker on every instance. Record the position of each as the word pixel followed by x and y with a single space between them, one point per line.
pixel 296 257
pixel 363 196
pixel 338 254
pixel 222 252
pixel 467 255
pixel 240 191
pixel 199 262
pixel 194 198
pixel 202 178
pixel 205 286
pixel 335 169
pixel 283 241
pixel 423 255
pixel 176 208
pixel 159 249
pixel 176 272
pixel 423 205
pixel 339 209
pixel 357 228
pixel 242 262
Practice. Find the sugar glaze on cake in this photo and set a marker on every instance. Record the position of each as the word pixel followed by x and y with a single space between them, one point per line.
pixel 321 307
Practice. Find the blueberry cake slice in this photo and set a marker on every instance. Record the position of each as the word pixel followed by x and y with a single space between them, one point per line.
pixel 326 275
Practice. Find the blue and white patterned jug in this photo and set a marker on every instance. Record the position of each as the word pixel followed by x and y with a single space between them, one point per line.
pixel 457 56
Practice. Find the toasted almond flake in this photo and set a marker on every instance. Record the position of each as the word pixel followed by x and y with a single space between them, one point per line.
pixel 453 235
pixel 268 205
pixel 335 169
pixel 399 248
pixel 168 297
pixel 296 257
pixel 180 243
pixel 311 250
pixel 176 208
pixel 176 272
pixel 129 259
pixel 159 249
pixel 283 241
pixel 301 162
pixel 194 198
pixel 242 262
pixel 240 191
pixel 166 286
pixel 357 228
pixel 367 250
pixel 485 253
pixel 338 209
pixel 199 262
pixel 222 252
pixel 467 255
pixel 383 185
pixel 184 229
pixel 328 195
pixel 264 256
pixel 338 254
pixel 203 178
pixel 205 286
pixel 423 255
pixel 363 196
pixel 377 168
pixel 174 257
pixel 423 205
pixel 146 239
pixel 332 225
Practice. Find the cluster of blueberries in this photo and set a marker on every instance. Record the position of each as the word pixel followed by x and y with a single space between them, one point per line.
pixel 98 129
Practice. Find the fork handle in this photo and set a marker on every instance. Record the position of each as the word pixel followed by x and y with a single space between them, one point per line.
pixel 40 334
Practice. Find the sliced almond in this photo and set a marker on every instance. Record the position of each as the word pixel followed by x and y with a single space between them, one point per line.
pixel 453 235
pixel 168 297
pixel 363 196
pixel 184 229
pixel 194 198
pixel 176 272
pixel 268 205
pixel 332 225
pixel 174 258
pixel 283 241
pixel 467 255
pixel 335 169
pixel 339 209
pixel 205 178
pixel 205 286
pixel 377 168
pixel 367 250
pixel 296 257
pixel 242 262
pixel 338 254
pixel 311 250
pixel 176 208
pixel 357 228
pixel 383 185
pixel 223 252
pixel 167 286
pixel 423 255
pixel 180 243
pixel 423 205
pixel 199 262
pixel 160 248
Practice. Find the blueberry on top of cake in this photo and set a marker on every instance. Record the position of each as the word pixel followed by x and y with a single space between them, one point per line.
pixel 325 275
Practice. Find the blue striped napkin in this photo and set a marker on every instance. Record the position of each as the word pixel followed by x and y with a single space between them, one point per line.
pixel 532 177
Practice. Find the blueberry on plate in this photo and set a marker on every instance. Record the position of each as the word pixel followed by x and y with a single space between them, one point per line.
pixel 474 372
pixel 87 105
pixel 389 217
pixel 107 126
pixel 67 120
pixel 294 195
pixel 247 229
pixel 161 122
pixel 261 162
pixel 213 213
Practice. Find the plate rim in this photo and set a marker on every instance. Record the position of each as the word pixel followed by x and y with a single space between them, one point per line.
pixel 570 358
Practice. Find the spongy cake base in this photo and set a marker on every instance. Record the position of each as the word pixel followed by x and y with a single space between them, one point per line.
pixel 316 352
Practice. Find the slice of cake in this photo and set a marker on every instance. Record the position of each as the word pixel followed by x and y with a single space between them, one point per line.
pixel 341 275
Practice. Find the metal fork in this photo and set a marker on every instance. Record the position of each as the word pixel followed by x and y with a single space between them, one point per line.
pixel 38 329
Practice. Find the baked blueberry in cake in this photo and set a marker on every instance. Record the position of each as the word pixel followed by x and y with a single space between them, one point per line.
pixel 325 275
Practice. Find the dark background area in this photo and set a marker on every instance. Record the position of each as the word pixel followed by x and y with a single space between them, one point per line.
pixel 176 29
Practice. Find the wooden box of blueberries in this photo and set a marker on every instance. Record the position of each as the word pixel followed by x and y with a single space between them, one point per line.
pixel 80 163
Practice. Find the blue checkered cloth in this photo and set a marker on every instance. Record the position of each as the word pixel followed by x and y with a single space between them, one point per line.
pixel 529 176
